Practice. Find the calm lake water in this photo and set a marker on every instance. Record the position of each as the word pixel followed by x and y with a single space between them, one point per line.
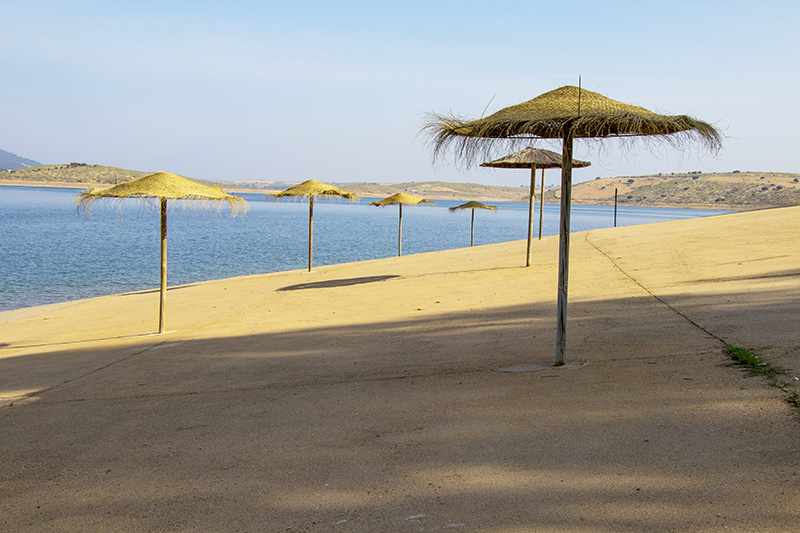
pixel 49 253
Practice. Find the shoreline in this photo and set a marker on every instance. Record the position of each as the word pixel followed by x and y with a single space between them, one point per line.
pixel 240 190
pixel 49 290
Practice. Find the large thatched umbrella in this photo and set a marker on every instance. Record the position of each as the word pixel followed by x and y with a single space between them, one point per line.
pixel 163 186
pixel 312 188
pixel 401 198
pixel 533 158
pixel 473 205
pixel 565 113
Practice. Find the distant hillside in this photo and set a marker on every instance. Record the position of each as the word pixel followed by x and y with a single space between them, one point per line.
pixel 73 173
pixel 731 190
pixel 727 190
pixel 722 190
pixel 9 160
pixel 438 190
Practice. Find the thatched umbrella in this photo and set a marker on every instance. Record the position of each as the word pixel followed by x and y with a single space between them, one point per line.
pixel 401 198
pixel 473 205
pixel 312 188
pixel 565 113
pixel 533 158
pixel 163 186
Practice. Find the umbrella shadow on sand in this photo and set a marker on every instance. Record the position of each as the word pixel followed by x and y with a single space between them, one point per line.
pixel 336 283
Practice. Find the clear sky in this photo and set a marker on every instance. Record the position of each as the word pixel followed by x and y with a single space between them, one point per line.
pixel 338 91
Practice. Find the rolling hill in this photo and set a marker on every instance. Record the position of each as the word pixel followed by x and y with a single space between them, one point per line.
pixel 728 190
pixel 9 161
pixel 72 174
pixel 725 190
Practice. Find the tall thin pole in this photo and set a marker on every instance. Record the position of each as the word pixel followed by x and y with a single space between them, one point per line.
pixel 472 230
pixel 541 206
pixel 530 213
pixel 310 229
pixel 563 251
pixel 615 208
pixel 163 295
pixel 400 233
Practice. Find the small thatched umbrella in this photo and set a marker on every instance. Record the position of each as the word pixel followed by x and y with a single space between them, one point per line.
pixel 401 198
pixel 533 158
pixel 473 205
pixel 163 186
pixel 312 188
pixel 565 113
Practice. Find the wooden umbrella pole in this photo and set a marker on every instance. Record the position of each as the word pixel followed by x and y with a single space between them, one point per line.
pixel 163 295
pixel 541 206
pixel 400 233
pixel 472 230
pixel 563 250
pixel 530 214
pixel 310 230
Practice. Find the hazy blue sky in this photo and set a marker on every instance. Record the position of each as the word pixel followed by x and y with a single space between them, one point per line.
pixel 338 91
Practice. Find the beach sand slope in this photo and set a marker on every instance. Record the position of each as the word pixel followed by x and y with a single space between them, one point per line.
pixel 366 396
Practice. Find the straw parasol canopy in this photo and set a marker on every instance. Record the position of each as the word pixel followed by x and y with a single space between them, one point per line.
pixel 401 199
pixel 163 186
pixel 565 113
pixel 472 205
pixel 312 188
pixel 533 158
pixel 567 110
pixel 529 156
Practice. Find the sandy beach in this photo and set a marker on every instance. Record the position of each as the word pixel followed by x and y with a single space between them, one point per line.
pixel 367 396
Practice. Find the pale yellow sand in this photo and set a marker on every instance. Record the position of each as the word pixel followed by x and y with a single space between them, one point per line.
pixel 364 397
